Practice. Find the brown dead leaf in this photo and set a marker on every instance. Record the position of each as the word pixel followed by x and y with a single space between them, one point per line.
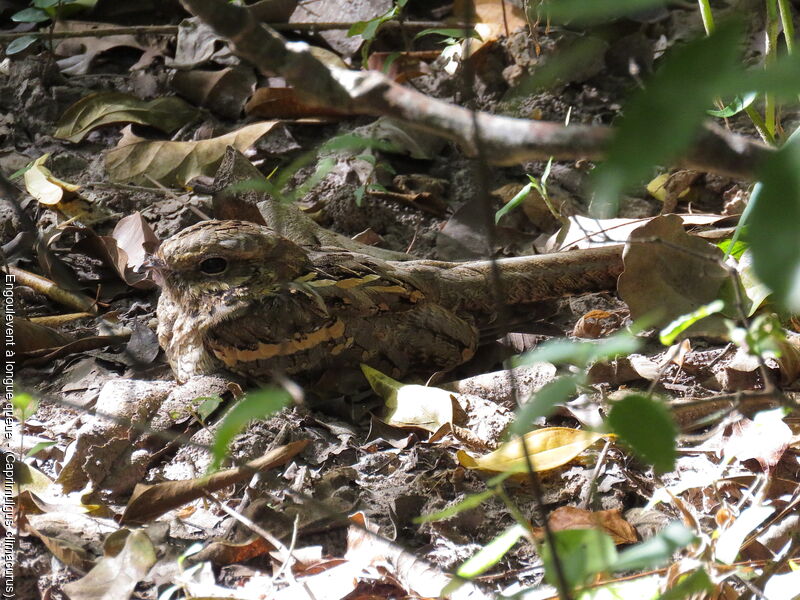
pixel 548 448
pixel 80 52
pixel 104 108
pixel 670 279
pixel 285 103
pixel 115 576
pixel 125 250
pixel 30 336
pixel 137 160
pixel 136 239
pixel 222 92
pixel 151 501
pixel 607 521
pixel 764 439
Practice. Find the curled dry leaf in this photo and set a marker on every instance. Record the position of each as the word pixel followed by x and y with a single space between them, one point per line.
pixel 46 187
pixel 141 161
pixel 222 92
pixel 412 406
pixel 548 448
pixel 167 114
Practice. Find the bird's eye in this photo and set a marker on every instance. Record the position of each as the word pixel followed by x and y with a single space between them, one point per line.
pixel 214 266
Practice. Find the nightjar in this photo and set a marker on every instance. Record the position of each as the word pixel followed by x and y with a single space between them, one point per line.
pixel 239 297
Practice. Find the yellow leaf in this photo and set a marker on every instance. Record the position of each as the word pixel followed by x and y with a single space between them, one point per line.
pixel 548 448
pixel 44 186
pixel 415 406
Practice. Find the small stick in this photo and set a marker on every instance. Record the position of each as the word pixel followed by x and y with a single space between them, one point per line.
pixel 53 291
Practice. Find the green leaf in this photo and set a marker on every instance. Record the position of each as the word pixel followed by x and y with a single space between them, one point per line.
pixel 356 28
pixel 38 448
pixel 646 425
pixel 656 551
pixel 24 406
pixel 738 105
pixel 695 584
pixel 661 120
pixel 359 195
pixel 772 225
pixel 469 502
pixel 256 405
pixel 733 248
pixel 449 33
pixel 581 354
pixel 20 44
pixel 206 405
pixel 582 553
pixel 492 553
pixel 514 202
pixel 30 15
pixel 671 332
pixel 544 401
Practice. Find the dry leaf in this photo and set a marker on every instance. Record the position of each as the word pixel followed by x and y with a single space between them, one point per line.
pixel 607 521
pixel 284 103
pixel 80 52
pixel 46 187
pixel 138 160
pixel 222 92
pixel 548 448
pixel 414 406
pixel 92 111
pixel 670 279
pixel 116 576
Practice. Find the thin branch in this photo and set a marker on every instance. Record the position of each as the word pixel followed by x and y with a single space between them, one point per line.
pixel 505 140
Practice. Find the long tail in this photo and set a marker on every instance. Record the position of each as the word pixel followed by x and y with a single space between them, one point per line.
pixel 469 285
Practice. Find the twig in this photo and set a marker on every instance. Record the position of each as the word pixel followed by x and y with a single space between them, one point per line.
pixel 53 291
pixel 173 29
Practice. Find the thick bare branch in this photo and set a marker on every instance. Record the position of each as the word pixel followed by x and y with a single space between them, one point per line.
pixel 506 140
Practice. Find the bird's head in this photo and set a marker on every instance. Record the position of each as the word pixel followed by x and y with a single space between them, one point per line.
pixel 223 264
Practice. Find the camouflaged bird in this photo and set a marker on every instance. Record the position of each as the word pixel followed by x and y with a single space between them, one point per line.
pixel 239 297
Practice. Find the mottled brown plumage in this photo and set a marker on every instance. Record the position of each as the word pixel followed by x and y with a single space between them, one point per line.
pixel 241 298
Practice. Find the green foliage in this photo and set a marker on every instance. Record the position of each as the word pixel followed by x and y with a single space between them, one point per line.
pixel 24 406
pixel 672 331
pixel 275 185
pixel 737 105
pixel 256 405
pixel 582 554
pixel 586 12
pixel 772 224
pixel 580 354
pixel 657 550
pixel 492 553
pixel 368 30
pixel 667 113
pixel 452 35
pixel 540 185
pixel 544 402
pixel 646 425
